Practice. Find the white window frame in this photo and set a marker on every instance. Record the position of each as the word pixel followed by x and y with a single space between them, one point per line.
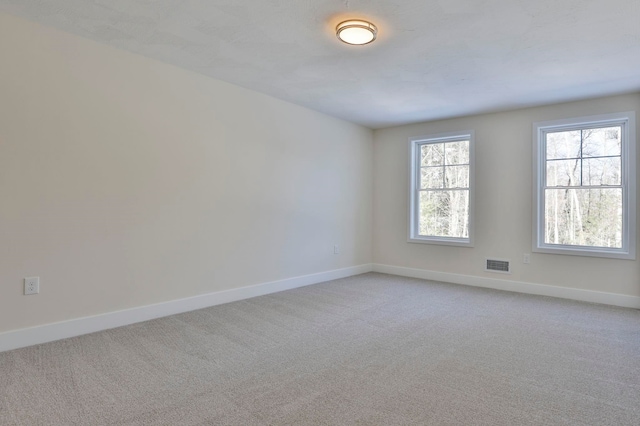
pixel 628 176
pixel 414 176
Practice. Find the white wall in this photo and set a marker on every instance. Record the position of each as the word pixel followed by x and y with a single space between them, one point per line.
pixel 126 182
pixel 503 202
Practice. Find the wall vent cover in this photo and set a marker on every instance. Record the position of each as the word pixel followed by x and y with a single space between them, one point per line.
pixel 498 265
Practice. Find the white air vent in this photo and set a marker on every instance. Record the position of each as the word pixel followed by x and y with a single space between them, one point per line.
pixel 498 265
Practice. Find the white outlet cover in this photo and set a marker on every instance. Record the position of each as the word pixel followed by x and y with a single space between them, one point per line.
pixel 32 285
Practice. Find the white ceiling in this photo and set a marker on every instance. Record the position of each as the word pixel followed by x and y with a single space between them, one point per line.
pixel 433 58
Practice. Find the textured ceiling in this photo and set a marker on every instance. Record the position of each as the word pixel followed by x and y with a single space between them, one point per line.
pixel 433 58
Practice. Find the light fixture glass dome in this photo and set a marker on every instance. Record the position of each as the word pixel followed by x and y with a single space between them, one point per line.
pixel 356 32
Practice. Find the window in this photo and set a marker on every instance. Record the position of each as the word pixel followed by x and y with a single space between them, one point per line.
pixel 441 185
pixel 585 186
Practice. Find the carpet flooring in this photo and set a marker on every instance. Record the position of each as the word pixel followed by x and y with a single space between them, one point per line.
pixel 372 349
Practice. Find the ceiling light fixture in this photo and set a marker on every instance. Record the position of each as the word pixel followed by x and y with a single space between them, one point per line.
pixel 356 32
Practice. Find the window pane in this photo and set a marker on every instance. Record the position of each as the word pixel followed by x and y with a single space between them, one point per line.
pixel 584 217
pixel 601 142
pixel 563 173
pixel 457 152
pixel 457 176
pixel 601 171
pixel 432 154
pixel 444 213
pixel 563 144
pixel 431 177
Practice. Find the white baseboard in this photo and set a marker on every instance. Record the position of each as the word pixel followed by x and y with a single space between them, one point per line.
pixel 515 286
pixel 61 330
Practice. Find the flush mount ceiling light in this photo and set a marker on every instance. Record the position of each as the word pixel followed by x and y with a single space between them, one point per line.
pixel 356 31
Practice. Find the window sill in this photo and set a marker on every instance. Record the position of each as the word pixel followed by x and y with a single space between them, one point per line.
pixel 458 242
pixel 587 252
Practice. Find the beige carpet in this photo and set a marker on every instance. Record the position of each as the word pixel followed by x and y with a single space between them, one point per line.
pixel 372 349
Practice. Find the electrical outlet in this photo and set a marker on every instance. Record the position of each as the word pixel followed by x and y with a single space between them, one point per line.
pixel 336 249
pixel 526 258
pixel 32 285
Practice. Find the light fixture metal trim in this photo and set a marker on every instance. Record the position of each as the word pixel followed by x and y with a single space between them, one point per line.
pixel 356 32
